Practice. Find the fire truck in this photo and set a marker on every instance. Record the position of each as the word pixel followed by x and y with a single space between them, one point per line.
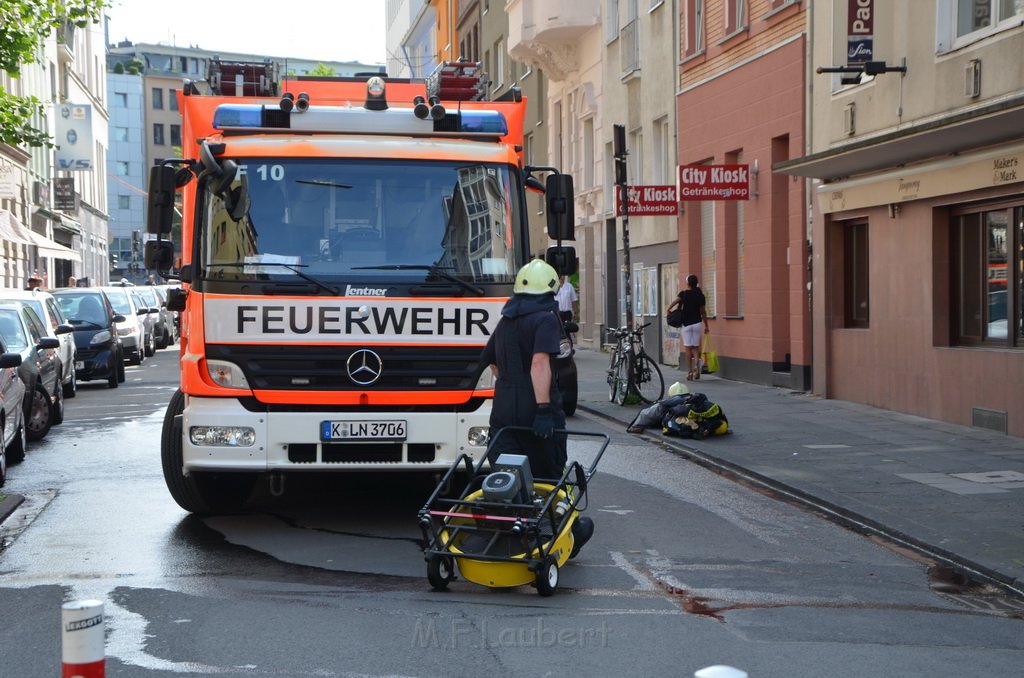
pixel 346 249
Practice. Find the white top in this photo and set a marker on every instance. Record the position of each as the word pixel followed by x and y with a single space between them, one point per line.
pixel 566 296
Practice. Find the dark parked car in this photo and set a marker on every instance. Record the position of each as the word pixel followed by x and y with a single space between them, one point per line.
pixel 23 332
pixel 12 411
pixel 99 351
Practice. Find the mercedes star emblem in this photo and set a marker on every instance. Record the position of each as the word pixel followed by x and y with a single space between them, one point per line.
pixel 364 367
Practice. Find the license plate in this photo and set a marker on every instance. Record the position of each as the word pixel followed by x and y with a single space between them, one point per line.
pixel 79 364
pixel 390 429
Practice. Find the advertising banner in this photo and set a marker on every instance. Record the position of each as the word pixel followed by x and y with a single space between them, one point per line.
pixel 714 182
pixel 64 197
pixel 74 137
pixel 860 32
pixel 648 201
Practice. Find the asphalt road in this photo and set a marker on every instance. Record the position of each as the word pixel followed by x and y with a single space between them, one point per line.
pixel 686 569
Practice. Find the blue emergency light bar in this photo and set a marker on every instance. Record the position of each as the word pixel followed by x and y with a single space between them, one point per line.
pixel 346 120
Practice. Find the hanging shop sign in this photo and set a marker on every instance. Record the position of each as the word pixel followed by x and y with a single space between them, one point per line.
pixel 714 182
pixel 74 137
pixel 648 201
pixel 64 194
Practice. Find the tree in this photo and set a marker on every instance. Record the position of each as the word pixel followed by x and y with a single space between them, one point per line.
pixel 322 69
pixel 24 25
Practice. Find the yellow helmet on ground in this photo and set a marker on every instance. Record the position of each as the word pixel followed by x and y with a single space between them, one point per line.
pixel 537 277
pixel 678 388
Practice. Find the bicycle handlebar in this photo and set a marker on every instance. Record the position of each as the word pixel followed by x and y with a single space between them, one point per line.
pixel 619 332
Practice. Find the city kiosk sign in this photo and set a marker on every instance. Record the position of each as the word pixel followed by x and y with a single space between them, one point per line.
pixel 648 201
pixel 714 182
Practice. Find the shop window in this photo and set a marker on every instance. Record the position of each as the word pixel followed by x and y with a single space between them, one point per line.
pixel 856 296
pixel 988 256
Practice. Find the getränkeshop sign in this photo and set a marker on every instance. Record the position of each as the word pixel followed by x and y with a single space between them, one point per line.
pixel 714 182
pixel 648 201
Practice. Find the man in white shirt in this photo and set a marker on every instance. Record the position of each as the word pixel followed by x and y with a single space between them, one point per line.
pixel 568 301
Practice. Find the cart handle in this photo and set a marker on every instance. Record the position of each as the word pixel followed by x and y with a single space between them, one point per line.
pixel 605 438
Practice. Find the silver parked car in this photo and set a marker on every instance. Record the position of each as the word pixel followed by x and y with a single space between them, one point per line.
pixel 57 325
pixel 133 330
pixel 12 410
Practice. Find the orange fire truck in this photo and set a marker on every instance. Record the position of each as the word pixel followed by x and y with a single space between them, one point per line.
pixel 346 249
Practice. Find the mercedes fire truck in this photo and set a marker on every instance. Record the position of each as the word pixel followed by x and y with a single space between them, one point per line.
pixel 346 249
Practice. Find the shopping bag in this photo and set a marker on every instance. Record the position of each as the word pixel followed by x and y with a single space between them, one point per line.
pixel 710 356
pixel 675 317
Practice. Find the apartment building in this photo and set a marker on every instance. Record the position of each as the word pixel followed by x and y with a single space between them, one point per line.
pixel 916 151
pixel 640 74
pixel 566 43
pixel 741 108
pixel 53 200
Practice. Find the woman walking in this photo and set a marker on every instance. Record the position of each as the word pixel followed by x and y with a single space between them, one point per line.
pixel 695 323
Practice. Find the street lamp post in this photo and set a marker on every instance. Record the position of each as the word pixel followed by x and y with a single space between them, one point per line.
pixel 622 185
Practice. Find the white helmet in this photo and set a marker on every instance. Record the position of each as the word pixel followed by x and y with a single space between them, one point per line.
pixel 678 388
pixel 537 277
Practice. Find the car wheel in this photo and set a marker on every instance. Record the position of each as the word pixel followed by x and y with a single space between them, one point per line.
pixel 58 403
pixel 71 388
pixel 120 371
pixel 16 451
pixel 164 340
pixel 3 454
pixel 115 375
pixel 39 414
pixel 137 356
pixel 570 396
pixel 150 345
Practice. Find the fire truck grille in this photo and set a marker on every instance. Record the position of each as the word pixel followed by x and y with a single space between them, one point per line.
pixel 326 368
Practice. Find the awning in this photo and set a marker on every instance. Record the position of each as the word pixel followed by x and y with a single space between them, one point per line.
pixel 12 229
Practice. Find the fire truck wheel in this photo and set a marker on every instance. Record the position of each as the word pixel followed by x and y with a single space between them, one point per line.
pixel 201 493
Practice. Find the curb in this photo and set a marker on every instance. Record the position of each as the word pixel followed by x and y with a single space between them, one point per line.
pixel 833 512
pixel 8 504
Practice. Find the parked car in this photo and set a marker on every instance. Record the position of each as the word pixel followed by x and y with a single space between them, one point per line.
pixel 12 410
pixel 47 308
pixel 162 326
pixel 99 351
pixel 132 329
pixel 22 331
pixel 167 316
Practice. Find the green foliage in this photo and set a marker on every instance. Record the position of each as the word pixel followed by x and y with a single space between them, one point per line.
pixel 323 70
pixel 119 68
pixel 24 25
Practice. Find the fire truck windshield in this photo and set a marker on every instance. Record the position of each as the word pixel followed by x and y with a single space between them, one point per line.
pixel 351 219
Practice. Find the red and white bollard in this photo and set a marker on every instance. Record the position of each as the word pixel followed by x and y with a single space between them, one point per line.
pixel 82 639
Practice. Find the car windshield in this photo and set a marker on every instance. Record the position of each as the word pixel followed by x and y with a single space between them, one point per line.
pixel 344 219
pixel 82 308
pixel 119 300
pixel 12 330
pixel 149 296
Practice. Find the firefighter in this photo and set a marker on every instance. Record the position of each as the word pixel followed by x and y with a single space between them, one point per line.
pixel 521 353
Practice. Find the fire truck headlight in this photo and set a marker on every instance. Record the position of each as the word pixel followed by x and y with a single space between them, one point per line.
pixel 486 380
pixel 222 436
pixel 225 374
pixel 478 436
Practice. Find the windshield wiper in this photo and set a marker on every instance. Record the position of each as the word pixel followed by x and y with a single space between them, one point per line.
pixel 320 182
pixel 294 268
pixel 436 270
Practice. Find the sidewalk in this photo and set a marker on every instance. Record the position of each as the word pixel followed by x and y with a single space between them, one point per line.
pixel 954 491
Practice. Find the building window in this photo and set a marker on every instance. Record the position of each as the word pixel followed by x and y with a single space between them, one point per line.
pixel 120 134
pixel 693 28
pixel 499 63
pixel 735 16
pixel 158 98
pixel 120 100
pixel 121 167
pixel 175 135
pixel 988 253
pixel 611 20
pixel 172 99
pixel 661 147
pixel 856 299
pixel 124 202
pixel 977 15
pixel 158 133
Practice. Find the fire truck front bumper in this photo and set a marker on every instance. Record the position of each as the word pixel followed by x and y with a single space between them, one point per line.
pixel 220 434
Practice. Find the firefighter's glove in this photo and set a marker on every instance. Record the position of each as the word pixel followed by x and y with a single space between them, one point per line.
pixel 543 422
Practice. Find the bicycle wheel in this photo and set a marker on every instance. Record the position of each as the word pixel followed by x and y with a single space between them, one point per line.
pixel 647 379
pixel 618 381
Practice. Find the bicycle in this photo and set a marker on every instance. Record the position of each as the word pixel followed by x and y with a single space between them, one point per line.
pixel 631 369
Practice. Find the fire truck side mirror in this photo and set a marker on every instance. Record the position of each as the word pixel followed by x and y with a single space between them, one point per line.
pixel 562 259
pixel 159 255
pixel 561 204
pixel 160 210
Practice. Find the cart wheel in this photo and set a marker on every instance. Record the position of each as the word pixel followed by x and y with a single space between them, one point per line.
pixel 440 571
pixel 547 577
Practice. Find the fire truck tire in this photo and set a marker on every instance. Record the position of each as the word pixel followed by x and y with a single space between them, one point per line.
pixel 200 493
